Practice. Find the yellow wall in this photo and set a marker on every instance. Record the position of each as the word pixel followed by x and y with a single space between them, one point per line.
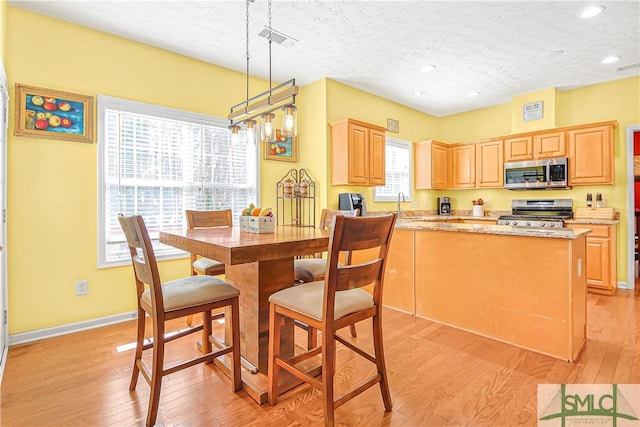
pixel 52 184
pixel 345 101
pixel 52 196
pixel 3 21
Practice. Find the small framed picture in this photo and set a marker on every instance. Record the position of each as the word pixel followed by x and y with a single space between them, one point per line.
pixel 532 111
pixel 53 114
pixel 284 148
pixel 393 125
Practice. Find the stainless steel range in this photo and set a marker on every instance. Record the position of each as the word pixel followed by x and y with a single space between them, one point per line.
pixel 546 213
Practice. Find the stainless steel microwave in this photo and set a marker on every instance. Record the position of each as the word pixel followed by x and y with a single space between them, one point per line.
pixel 536 174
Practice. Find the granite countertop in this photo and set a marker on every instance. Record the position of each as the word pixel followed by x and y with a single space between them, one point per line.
pixel 426 225
pixel 594 221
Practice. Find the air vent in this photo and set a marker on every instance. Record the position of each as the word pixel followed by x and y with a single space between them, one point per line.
pixel 629 67
pixel 278 37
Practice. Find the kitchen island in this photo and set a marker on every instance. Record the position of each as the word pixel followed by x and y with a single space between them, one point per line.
pixel 522 286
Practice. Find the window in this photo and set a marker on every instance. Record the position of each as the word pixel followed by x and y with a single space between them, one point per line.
pixel 156 162
pixel 397 172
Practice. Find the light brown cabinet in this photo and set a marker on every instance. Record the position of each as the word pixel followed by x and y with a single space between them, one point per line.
pixel 591 155
pixel 490 164
pixel 398 276
pixel 602 275
pixel 463 165
pixel 535 146
pixel 357 153
pixel 430 165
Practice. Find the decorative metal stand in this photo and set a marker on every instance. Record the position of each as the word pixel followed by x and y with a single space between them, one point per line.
pixel 296 199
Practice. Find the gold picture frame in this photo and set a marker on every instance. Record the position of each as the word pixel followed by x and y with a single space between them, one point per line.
pixel 285 148
pixel 53 114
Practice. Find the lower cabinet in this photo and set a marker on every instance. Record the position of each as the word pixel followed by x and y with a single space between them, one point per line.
pixel 398 290
pixel 602 274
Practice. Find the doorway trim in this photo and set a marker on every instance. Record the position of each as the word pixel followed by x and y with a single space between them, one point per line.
pixel 631 274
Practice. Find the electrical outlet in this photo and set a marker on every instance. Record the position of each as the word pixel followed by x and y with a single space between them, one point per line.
pixel 82 287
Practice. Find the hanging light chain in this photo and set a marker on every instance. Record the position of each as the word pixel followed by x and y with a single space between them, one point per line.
pixel 270 32
pixel 247 46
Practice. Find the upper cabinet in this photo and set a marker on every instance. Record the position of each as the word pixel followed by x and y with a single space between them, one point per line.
pixel 490 164
pixel 357 152
pixel 591 154
pixel 430 165
pixel 537 146
pixel 463 165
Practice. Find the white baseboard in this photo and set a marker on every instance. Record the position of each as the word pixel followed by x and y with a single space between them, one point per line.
pixel 40 334
pixel 625 285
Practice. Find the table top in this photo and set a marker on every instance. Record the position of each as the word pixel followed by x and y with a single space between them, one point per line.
pixel 231 246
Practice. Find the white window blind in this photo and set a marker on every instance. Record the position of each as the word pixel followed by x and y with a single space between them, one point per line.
pixel 397 171
pixel 156 162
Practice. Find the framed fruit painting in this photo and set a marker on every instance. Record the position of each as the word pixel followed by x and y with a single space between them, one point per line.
pixel 53 114
pixel 283 148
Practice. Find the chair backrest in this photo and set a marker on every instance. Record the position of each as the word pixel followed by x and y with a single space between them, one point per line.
pixel 206 219
pixel 143 258
pixel 203 219
pixel 326 217
pixel 351 234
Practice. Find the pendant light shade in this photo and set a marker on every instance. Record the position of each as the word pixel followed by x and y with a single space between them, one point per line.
pixel 289 121
pixel 251 129
pixel 268 127
pixel 235 133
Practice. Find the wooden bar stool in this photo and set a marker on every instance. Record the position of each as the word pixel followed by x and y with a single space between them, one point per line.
pixel 171 300
pixel 333 304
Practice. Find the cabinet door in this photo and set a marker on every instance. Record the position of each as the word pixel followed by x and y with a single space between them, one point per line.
pixel 490 164
pixel 358 155
pixel 591 156
pixel 598 267
pixel 377 145
pixel 430 165
pixel 549 145
pixel 439 167
pixel 517 149
pixel 463 173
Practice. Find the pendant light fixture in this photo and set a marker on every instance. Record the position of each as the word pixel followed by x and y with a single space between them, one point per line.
pixel 262 106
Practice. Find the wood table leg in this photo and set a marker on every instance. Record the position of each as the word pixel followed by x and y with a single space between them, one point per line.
pixel 256 282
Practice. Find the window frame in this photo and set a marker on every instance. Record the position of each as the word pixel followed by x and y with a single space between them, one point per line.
pixel 104 103
pixel 398 143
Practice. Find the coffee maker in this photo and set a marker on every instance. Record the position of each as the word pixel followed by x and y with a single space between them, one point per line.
pixel 444 206
pixel 350 201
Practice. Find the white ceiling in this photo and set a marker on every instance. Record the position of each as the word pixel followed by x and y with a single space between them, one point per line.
pixel 499 49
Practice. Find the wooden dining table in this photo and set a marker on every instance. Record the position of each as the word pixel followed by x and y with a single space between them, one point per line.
pixel 258 264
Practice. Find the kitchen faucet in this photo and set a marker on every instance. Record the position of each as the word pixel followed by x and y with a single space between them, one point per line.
pixel 400 195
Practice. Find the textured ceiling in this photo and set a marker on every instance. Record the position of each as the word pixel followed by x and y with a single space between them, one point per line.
pixel 499 49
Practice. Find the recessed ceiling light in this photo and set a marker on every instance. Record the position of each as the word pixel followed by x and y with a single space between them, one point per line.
pixel 419 93
pixel 591 11
pixel 473 94
pixel 556 52
pixel 610 59
pixel 428 68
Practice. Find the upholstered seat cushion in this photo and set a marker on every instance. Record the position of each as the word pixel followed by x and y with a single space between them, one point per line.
pixel 314 267
pixel 307 299
pixel 192 290
pixel 203 264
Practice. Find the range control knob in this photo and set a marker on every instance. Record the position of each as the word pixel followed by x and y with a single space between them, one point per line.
pixel 528 223
pixel 543 224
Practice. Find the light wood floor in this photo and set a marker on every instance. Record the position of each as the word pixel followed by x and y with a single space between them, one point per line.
pixel 438 376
